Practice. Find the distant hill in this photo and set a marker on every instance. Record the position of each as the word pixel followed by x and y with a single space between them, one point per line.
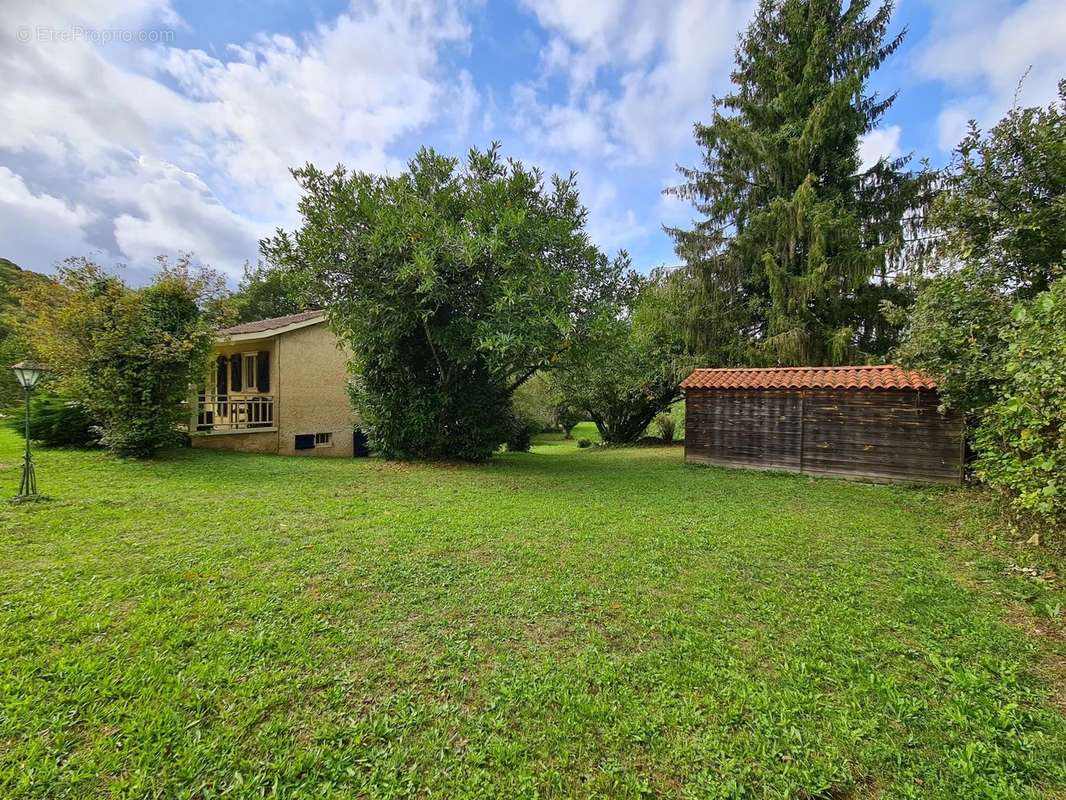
pixel 12 349
pixel 12 275
pixel 12 278
pixel 9 272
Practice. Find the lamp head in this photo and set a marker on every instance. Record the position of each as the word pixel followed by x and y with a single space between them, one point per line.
pixel 28 373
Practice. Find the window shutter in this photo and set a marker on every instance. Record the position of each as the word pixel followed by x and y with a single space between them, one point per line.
pixel 262 371
pixel 221 375
pixel 235 369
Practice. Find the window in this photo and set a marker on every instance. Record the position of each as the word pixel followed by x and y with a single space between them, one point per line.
pixel 323 440
pixel 249 371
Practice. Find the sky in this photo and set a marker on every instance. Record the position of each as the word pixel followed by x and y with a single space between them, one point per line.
pixel 135 128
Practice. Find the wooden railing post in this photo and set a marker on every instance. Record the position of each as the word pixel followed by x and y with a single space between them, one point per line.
pixel 194 408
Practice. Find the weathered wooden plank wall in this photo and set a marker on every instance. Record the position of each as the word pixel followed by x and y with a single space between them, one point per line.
pixel 885 435
pixel 749 428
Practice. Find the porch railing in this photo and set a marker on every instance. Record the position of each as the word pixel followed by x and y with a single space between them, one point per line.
pixel 221 412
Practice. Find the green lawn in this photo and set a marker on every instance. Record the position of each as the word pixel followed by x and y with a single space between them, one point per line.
pixel 565 623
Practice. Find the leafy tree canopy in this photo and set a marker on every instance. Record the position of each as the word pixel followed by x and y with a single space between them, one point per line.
pixel 1001 220
pixel 630 366
pixel 797 240
pixel 266 291
pixel 1002 208
pixel 452 285
pixel 129 355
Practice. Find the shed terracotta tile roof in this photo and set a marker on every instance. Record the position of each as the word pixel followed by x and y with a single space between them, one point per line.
pixel 886 376
pixel 262 325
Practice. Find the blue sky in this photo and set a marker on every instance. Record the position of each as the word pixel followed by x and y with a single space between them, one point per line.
pixel 141 127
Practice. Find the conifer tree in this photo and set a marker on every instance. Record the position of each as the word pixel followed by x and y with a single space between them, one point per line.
pixel 797 242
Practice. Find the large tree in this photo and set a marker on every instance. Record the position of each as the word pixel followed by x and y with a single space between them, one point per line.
pixel 265 292
pixel 452 287
pixel 796 241
pixel 629 368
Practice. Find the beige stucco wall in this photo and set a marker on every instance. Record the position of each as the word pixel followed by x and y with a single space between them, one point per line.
pixel 311 394
pixel 308 376
pixel 259 442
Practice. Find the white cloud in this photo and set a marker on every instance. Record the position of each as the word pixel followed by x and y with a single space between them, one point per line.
pixel 588 23
pixel 337 96
pixel 97 14
pixel 37 227
pixel 184 150
pixel 953 121
pixel 612 227
pixel 879 143
pixel 639 73
pixel 983 48
pixel 170 209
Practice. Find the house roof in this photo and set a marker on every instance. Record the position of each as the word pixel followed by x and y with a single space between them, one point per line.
pixel 272 326
pixel 887 376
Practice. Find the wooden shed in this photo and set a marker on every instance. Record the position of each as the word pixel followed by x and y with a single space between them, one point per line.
pixel 877 423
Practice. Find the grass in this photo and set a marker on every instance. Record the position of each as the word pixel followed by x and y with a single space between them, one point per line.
pixel 565 623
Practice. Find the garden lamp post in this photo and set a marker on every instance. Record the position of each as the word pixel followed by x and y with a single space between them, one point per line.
pixel 28 373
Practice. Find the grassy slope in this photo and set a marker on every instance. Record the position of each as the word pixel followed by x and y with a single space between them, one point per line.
pixel 564 623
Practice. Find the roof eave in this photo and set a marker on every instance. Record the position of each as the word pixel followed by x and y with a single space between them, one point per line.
pixel 231 338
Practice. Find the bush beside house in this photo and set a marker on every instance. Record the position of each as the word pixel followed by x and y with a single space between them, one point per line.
pixel 126 355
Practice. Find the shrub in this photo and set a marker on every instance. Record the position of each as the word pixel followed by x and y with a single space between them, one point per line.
pixel 58 422
pixel 583 443
pixel 1021 441
pixel 954 334
pixel 630 366
pixel 665 424
pixel 533 402
pixel 520 436
pixel 129 355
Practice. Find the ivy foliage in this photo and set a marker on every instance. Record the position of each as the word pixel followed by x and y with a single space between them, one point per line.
pixel 127 355
pixel 452 285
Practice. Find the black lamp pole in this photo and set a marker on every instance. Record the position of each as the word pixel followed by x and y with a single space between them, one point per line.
pixel 27 374
pixel 28 486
